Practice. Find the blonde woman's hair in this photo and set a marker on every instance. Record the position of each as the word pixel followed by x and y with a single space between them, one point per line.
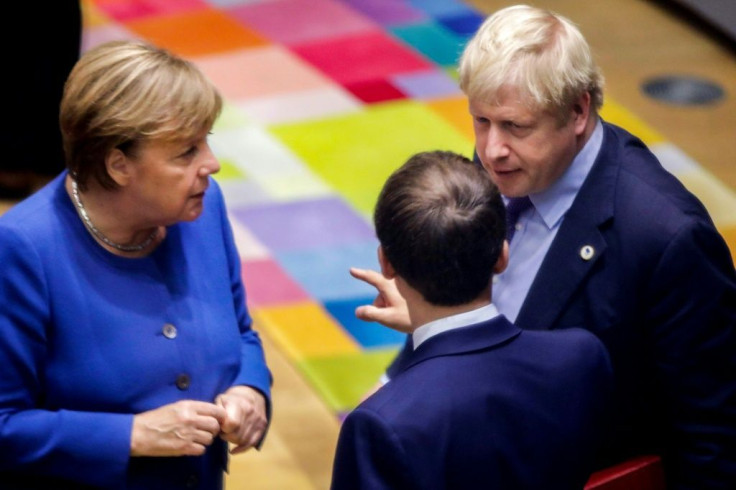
pixel 538 52
pixel 123 93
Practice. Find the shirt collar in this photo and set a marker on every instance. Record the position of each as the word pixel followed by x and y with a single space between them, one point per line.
pixel 553 202
pixel 440 325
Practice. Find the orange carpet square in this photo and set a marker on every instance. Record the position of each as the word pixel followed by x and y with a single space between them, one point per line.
pixel 196 33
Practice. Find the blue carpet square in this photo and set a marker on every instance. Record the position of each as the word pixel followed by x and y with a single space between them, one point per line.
pixel 368 334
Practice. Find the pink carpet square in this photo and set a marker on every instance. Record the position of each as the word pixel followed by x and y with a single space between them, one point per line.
pixel 258 72
pixel 92 36
pixel 298 21
pixel 360 57
pixel 373 91
pixel 125 10
pixel 267 284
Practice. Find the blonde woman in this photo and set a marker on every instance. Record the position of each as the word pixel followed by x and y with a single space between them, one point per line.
pixel 126 345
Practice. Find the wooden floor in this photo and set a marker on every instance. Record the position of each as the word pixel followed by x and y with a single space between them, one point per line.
pixel 632 40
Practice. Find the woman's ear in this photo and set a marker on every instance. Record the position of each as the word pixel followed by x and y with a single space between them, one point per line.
pixel 386 268
pixel 503 259
pixel 118 166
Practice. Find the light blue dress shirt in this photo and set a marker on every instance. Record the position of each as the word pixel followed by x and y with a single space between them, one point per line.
pixel 537 227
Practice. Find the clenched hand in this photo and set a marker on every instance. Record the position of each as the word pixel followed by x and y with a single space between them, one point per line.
pixel 245 420
pixel 184 428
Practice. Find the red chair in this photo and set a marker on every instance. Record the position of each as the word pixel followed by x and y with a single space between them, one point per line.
pixel 640 473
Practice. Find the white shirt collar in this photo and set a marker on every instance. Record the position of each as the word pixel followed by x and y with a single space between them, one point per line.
pixel 440 325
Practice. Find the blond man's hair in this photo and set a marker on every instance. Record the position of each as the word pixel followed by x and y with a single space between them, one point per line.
pixel 538 52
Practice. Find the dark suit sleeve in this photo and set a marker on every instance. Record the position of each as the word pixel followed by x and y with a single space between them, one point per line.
pixel 369 455
pixel 692 312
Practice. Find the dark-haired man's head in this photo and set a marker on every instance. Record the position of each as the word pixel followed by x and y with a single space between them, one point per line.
pixel 441 224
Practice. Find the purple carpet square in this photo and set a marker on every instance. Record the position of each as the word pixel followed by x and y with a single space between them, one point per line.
pixel 432 84
pixel 305 225
pixel 324 273
pixel 388 12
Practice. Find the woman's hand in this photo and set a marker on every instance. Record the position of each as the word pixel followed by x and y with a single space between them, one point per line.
pixel 245 420
pixel 389 307
pixel 184 428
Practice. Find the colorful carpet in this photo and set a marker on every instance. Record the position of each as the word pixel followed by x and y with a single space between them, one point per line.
pixel 324 98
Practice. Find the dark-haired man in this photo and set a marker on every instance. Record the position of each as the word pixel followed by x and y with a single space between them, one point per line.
pixel 477 403
pixel 611 242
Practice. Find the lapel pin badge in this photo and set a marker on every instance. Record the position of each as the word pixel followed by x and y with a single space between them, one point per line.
pixel 587 252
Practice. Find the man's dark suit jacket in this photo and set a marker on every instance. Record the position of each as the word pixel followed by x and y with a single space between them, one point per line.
pixel 482 406
pixel 659 289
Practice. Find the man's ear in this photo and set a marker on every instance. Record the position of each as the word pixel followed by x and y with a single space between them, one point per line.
pixel 503 259
pixel 581 112
pixel 118 166
pixel 386 268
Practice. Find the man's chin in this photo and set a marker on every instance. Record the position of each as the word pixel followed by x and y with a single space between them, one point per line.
pixel 510 184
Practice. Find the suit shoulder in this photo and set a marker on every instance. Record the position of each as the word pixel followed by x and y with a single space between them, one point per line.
pixel 651 206
pixel 643 175
pixel 570 336
pixel 566 347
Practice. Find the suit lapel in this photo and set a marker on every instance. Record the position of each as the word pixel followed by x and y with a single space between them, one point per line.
pixel 579 243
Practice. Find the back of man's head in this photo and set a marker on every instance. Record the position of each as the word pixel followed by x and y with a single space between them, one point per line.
pixel 441 223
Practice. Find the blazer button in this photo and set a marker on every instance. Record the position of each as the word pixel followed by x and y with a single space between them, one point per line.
pixel 183 381
pixel 192 481
pixel 169 331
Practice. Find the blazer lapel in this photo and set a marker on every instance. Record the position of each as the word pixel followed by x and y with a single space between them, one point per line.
pixel 579 243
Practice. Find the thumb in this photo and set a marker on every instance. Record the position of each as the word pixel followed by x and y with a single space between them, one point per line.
pixel 369 313
pixel 229 424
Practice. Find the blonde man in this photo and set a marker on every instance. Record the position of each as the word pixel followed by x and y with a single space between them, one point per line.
pixel 607 240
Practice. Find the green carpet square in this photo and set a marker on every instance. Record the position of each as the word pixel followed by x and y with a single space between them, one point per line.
pixel 355 153
pixel 343 381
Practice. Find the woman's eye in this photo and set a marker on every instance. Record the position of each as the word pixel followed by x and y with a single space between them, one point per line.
pixel 189 152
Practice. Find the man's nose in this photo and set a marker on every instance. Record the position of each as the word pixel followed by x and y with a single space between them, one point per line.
pixel 496 146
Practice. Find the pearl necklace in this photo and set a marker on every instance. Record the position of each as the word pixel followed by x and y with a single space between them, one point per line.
pixel 88 223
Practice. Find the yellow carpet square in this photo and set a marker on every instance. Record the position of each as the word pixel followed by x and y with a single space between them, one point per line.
pixel 305 330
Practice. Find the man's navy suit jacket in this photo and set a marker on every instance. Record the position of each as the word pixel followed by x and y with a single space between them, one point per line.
pixel 482 406
pixel 660 291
